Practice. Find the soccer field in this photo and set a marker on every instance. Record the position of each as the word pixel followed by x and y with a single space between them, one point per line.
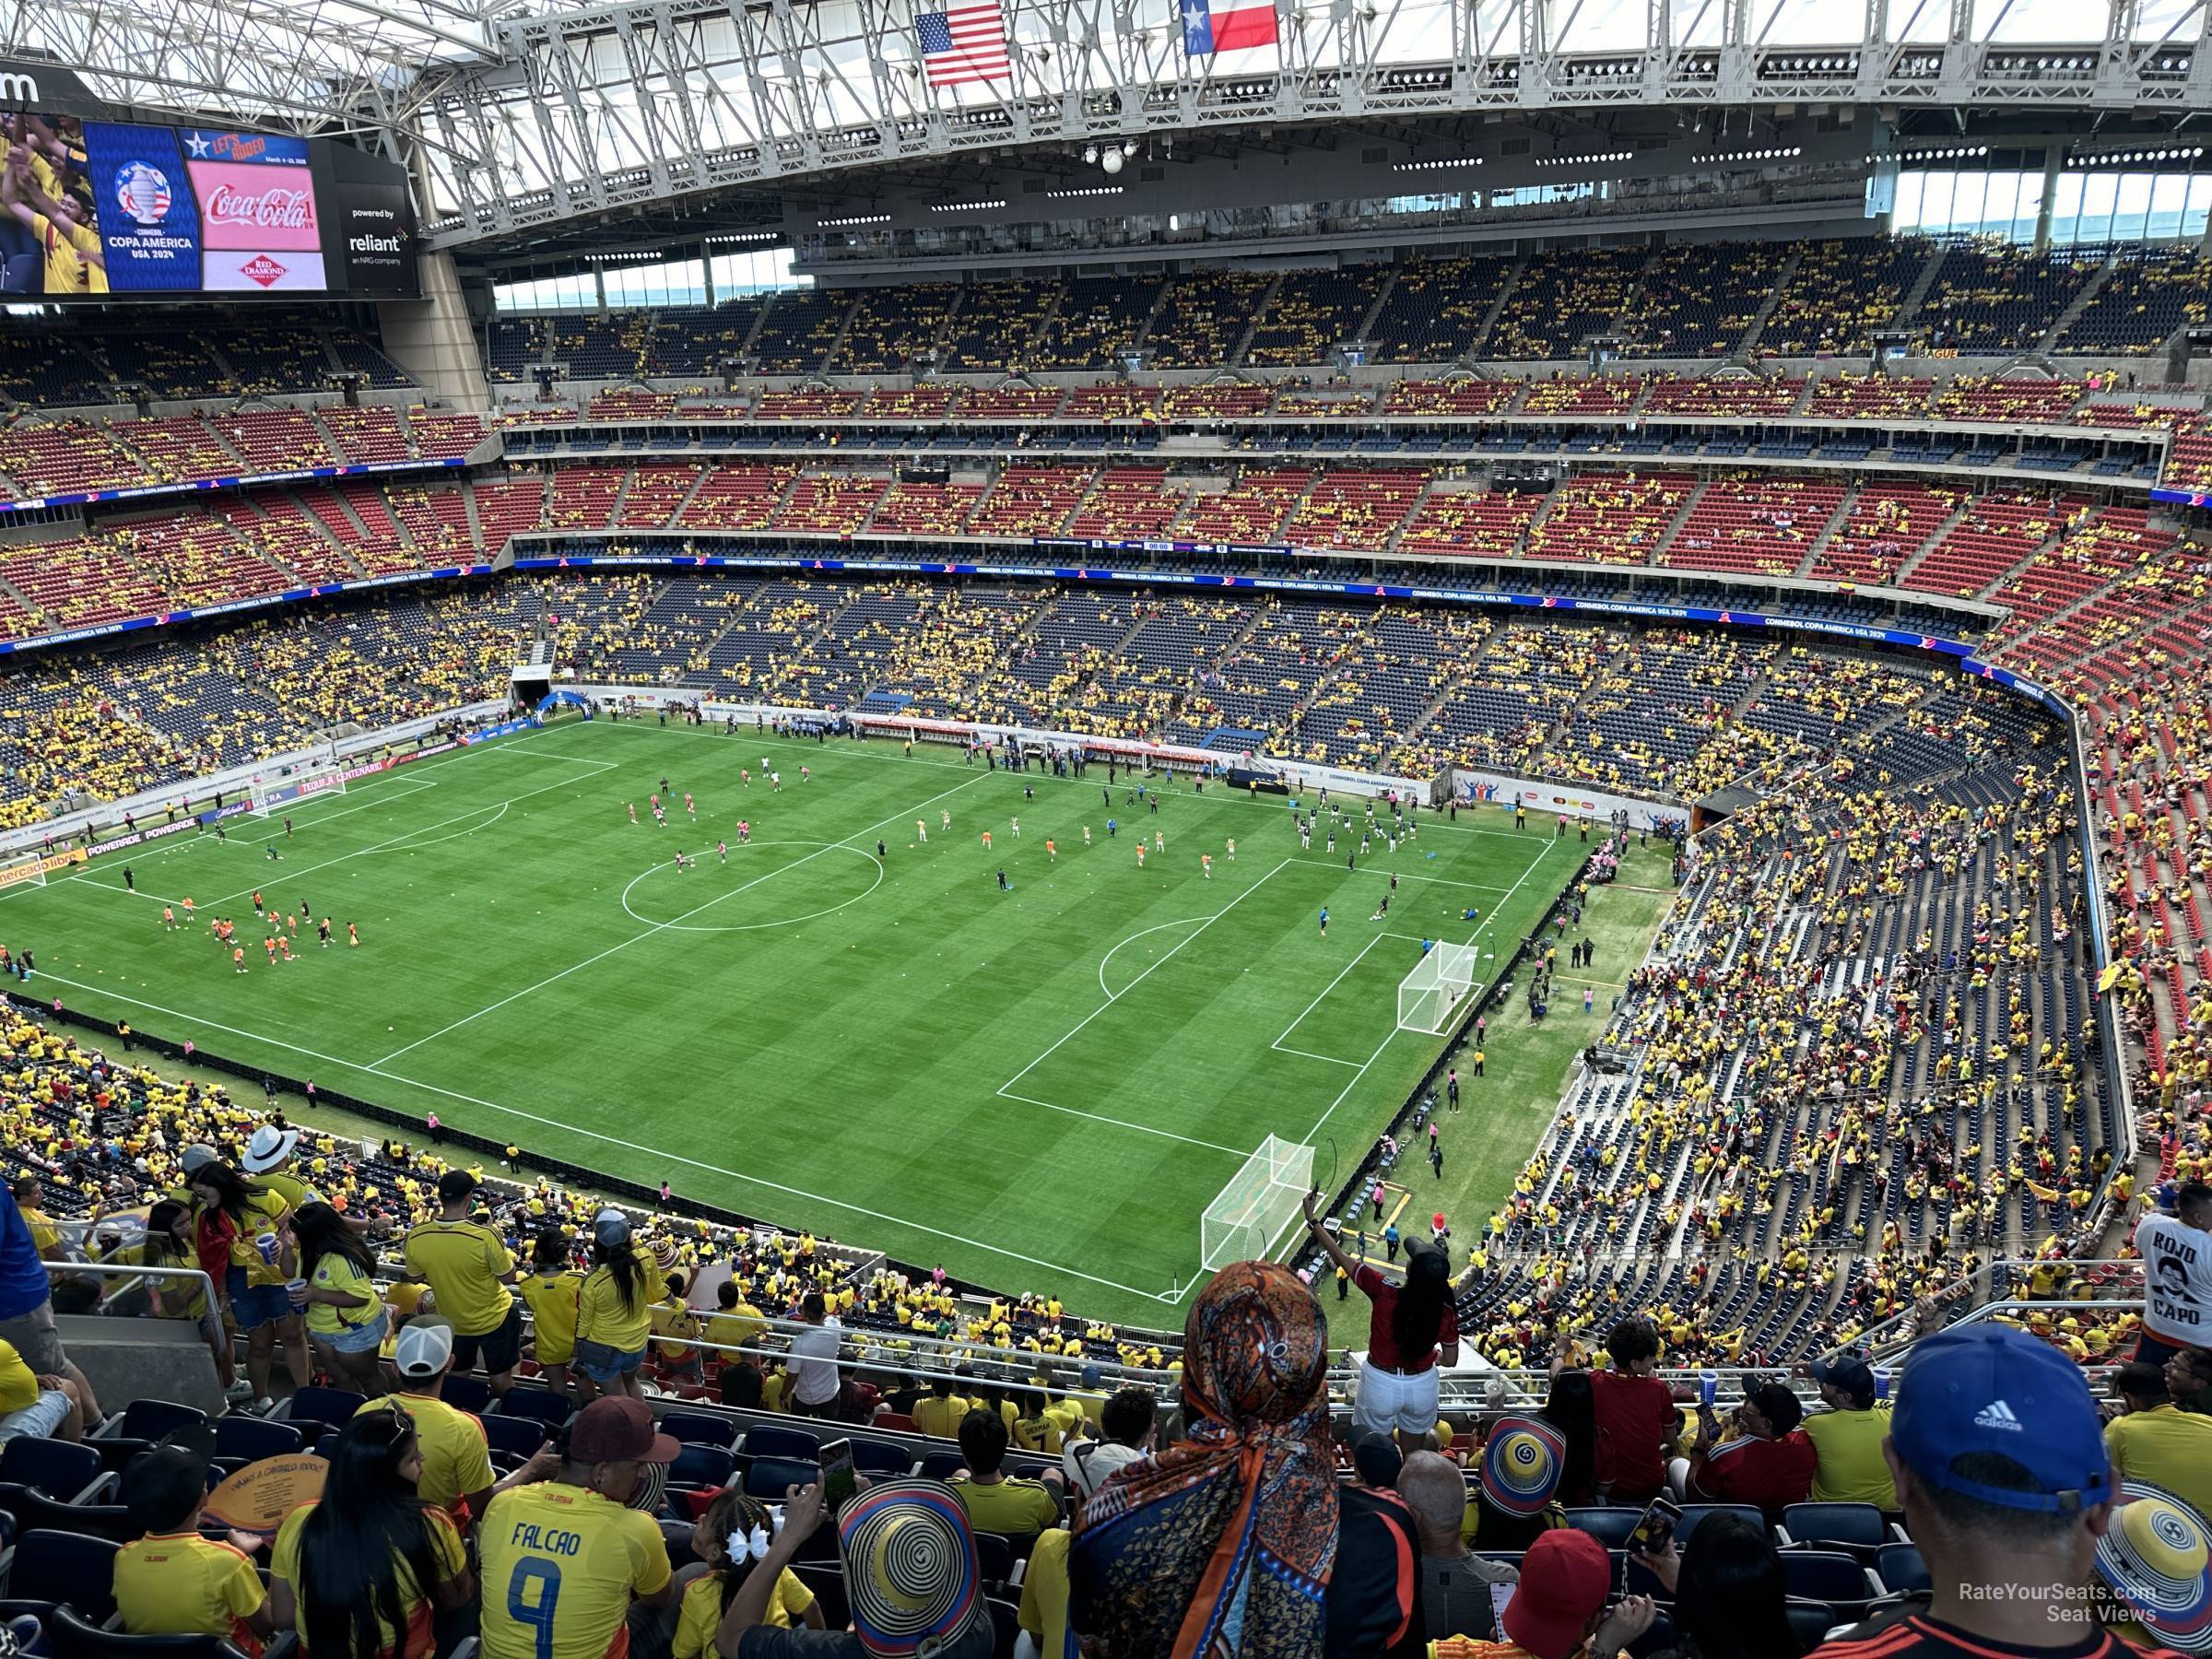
pixel 1041 1088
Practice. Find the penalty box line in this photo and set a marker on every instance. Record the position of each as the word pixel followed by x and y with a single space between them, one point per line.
pixel 658 927
pixel 1534 865
pixel 666 1157
pixel 1114 996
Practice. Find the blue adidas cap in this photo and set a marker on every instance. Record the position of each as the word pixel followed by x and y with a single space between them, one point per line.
pixel 1991 1388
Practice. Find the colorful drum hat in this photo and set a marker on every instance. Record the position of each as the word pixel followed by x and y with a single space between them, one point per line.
pixel 1521 1463
pixel 2157 1559
pixel 912 1578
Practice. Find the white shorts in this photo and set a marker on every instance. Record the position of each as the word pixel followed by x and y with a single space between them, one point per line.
pixel 1389 1401
pixel 42 1417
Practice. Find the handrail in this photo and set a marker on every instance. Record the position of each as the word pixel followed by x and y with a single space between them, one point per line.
pixel 131 1271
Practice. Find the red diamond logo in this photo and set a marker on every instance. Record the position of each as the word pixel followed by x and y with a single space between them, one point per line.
pixel 262 269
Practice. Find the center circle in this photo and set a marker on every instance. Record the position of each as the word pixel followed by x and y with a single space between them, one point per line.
pixel 810 878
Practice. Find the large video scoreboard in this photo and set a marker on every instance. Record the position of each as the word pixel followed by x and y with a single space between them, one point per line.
pixel 99 209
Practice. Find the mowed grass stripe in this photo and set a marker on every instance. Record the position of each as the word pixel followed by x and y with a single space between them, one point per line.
pixel 842 1071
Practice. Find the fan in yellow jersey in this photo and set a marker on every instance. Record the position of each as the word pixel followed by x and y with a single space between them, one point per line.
pixel 57 214
pixel 731 1537
pixel 172 1581
pixel 456 1464
pixel 563 1559
pixel 369 1547
pixel 737 1326
pixel 614 1309
pixel 550 1290
pixel 468 1269
pixel 676 1326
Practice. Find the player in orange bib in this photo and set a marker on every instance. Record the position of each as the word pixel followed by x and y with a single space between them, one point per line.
pixel 168 919
pixel 986 841
pixel 1206 863
pixel 1140 854
pixel 238 958
pixel 269 945
pixel 188 907
pixel 353 936
pixel 1051 851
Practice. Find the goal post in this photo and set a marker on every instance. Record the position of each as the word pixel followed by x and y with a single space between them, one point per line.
pixel 1434 987
pixel 295 783
pixel 1261 1200
pixel 23 870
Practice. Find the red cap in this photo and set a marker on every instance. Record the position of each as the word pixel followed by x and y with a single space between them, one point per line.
pixel 1565 1578
pixel 618 1430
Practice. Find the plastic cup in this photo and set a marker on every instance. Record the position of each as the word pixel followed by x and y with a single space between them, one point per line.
pixel 296 1291
pixel 1708 1388
pixel 266 1243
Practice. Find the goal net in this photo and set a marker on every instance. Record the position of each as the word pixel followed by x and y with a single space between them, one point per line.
pixel 25 869
pixel 1244 1223
pixel 294 785
pixel 1428 995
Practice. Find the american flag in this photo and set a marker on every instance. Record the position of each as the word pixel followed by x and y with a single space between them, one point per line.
pixel 963 44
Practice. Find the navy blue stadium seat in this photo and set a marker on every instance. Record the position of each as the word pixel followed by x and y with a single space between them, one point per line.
pixel 519 1435
pixel 253 1438
pixel 543 1403
pixel 318 1405
pixel 1851 1526
pixel 699 1466
pixel 1692 1514
pixel 66 1567
pixel 882 1457
pixel 76 1637
pixel 35 1510
pixel 770 1478
pixel 1610 1527
pixel 465 1394
pixel 151 1419
pixel 701 1429
pixel 941 1466
pixel 59 1468
pixel 1827 1576
pixel 1902 1569
pixel 768 1440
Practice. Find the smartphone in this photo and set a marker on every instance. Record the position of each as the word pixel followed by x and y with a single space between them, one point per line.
pixel 1654 1526
pixel 838 1482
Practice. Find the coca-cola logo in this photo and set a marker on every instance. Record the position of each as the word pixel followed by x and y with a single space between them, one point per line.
pixel 275 208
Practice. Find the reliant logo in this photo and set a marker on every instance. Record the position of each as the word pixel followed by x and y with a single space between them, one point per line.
pixel 376 244
pixel 261 269
pixel 1998 1415
pixel 18 89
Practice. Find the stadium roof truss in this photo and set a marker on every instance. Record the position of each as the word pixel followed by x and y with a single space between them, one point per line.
pixel 331 67
pixel 531 114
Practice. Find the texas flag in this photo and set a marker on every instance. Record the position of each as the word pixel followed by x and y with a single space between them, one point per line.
pixel 1214 27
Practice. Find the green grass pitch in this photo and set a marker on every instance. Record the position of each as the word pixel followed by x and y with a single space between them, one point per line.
pixel 1042 1088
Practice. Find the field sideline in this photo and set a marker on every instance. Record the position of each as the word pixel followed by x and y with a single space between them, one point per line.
pixel 1039 1087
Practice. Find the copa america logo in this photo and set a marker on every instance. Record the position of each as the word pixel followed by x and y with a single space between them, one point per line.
pixel 142 192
